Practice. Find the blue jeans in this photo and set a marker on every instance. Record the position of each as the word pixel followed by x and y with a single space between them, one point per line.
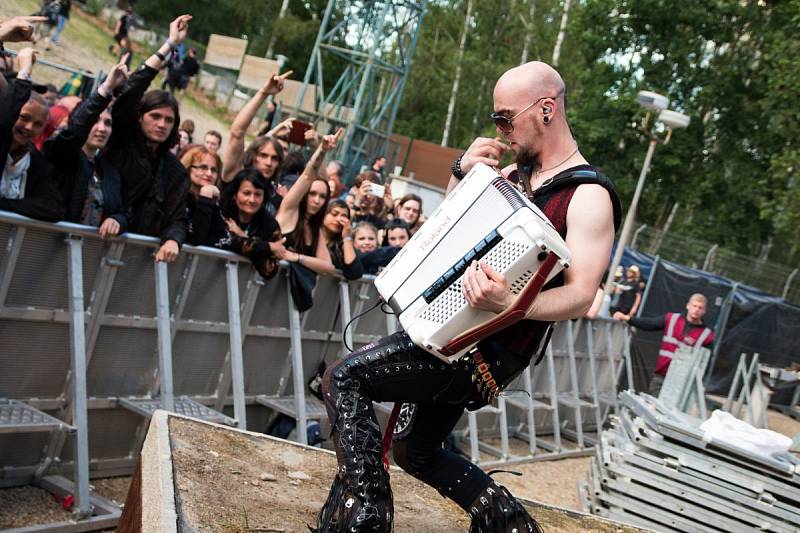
pixel 62 21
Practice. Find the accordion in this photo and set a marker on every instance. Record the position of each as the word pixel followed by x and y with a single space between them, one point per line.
pixel 484 218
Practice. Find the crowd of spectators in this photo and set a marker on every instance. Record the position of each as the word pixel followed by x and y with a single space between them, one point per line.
pixel 121 160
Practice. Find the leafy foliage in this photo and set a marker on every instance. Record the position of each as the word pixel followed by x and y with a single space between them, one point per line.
pixel 732 65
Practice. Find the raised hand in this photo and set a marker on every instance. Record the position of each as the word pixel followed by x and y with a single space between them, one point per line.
pixel 329 142
pixel 117 76
pixel 179 28
pixel 483 150
pixel 19 29
pixel 281 129
pixel 274 85
pixel 26 58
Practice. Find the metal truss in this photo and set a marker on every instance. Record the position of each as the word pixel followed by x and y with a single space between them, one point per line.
pixel 358 70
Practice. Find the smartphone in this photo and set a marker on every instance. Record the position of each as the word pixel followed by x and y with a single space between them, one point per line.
pixel 377 190
pixel 296 134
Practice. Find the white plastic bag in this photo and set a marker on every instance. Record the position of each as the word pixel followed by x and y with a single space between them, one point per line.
pixel 724 427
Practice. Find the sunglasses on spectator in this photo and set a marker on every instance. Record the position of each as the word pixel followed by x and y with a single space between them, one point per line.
pixel 505 124
pixel 205 168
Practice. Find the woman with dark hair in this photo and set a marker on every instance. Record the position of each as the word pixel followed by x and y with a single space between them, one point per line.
pixel 396 233
pixel 250 230
pixel 302 212
pixel 154 183
pixel 338 235
pixel 409 209
pixel 206 224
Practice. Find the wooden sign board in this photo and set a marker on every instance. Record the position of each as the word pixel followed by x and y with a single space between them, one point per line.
pixel 225 52
pixel 291 89
pixel 256 71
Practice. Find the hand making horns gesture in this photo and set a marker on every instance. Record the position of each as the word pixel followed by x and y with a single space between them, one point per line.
pixel 329 142
pixel 274 85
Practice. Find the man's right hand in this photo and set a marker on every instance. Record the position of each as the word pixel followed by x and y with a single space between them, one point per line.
pixel 26 58
pixel 483 150
pixel 179 28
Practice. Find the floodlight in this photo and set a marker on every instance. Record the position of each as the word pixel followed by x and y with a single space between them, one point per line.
pixel 673 119
pixel 652 101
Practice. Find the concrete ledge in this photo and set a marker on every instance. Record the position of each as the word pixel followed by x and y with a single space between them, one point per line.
pixel 201 476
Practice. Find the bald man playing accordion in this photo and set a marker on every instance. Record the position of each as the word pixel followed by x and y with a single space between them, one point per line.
pixel 529 114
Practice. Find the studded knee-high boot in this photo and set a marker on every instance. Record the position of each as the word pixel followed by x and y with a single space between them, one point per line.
pixel 360 499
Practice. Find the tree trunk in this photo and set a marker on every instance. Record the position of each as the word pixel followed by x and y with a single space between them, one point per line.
pixel 275 26
pixel 561 33
pixel 528 33
pixel 457 79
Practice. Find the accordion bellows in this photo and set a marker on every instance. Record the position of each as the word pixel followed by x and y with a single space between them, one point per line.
pixel 484 218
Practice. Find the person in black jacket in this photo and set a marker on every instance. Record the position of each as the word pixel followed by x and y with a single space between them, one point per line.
pixel 206 223
pixel 90 185
pixel 251 231
pixel 154 183
pixel 26 185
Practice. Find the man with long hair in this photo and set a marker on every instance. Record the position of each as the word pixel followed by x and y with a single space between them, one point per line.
pixel 154 183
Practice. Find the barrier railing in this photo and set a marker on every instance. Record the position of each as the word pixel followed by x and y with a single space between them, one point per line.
pixel 96 336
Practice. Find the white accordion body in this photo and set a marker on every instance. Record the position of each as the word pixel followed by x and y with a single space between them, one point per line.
pixel 484 218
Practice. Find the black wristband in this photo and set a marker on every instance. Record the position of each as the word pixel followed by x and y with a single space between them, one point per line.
pixel 160 56
pixel 455 168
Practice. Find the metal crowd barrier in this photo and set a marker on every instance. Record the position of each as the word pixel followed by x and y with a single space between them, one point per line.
pixel 96 336
pixel 568 395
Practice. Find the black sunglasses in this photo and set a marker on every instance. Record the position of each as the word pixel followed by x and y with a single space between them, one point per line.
pixel 505 124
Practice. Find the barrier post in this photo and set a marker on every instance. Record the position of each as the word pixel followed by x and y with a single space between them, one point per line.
pixel 593 372
pixel 297 368
pixel 80 417
pixel 164 337
pixel 573 376
pixel 235 328
pixel 345 314
pixel 551 381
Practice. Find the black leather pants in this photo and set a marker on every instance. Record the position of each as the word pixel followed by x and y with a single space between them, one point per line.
pixel 436 393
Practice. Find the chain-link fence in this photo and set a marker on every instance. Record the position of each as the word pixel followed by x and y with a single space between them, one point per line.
pixel 774 278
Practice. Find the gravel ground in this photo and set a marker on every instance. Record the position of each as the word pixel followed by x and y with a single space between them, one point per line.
pixel 26 506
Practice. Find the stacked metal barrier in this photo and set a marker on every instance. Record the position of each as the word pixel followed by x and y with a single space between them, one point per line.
pixel 655 469
pixel 96 336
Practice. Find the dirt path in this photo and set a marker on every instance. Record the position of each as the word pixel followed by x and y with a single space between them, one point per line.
pixel 84 46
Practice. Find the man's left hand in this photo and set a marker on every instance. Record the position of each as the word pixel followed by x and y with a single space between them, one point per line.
pixel 486 289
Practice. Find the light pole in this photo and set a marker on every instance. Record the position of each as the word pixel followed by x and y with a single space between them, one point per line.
pixel 652 102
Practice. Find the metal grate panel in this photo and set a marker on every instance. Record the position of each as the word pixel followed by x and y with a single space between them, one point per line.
pixel 133 293
pixel 40 276
pixel 21 449
pixel 266 363
pixel 208 297
pixel 197 360
pixel 35 360
pixel 17 417
pixel 271 307
pixel 123 364
pixel 183 406
pixel 314 408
